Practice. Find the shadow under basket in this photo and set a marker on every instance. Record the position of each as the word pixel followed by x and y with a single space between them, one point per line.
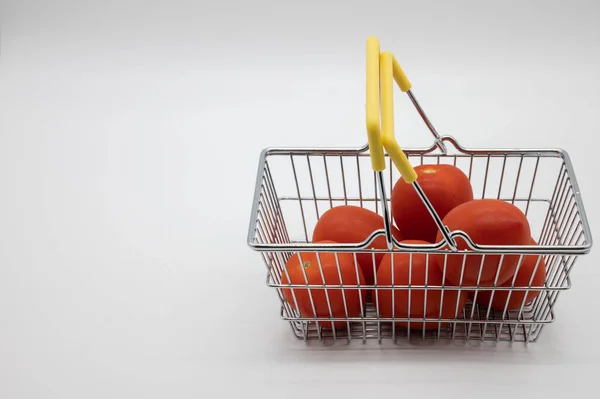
pixel 295 186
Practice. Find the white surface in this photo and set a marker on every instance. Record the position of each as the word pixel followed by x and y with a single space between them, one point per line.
pixel 124 270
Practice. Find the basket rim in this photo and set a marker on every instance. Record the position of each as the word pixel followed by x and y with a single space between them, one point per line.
pixel 422 248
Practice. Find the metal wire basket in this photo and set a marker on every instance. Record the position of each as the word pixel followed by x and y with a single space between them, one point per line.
pixel 295 186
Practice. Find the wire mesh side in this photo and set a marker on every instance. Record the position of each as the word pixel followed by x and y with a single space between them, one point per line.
pixel 310 184
pixel 475 320
pixel 563 224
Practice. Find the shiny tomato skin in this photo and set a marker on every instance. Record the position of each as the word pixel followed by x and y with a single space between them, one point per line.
pixel 310 266
pixel 450 311
pixel 353 224
pixel 446 187
pixel 419 306
pixel 528 266
pixel 487 222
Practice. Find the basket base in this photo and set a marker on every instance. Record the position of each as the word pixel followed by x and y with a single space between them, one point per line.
pixel 475 323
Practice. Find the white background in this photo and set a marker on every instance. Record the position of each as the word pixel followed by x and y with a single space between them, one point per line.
pixel 129 139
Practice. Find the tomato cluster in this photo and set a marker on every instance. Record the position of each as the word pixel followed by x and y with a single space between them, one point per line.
pixel 486 221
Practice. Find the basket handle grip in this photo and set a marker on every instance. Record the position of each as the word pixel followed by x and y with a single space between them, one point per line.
pixel 382 70
pixel 386 66
pixel 399 76
pixel 373 106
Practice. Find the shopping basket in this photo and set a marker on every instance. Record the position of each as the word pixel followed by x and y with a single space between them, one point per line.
pixel 295 186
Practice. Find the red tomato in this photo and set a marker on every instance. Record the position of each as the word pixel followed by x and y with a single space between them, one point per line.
pixel 521 280
pixel 419 306
pixel 352 224
pixel 310 266
pixel 450 310
pixel 489 222
pixel 446 187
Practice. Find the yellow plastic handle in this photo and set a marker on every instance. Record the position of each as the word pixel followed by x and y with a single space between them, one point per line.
pixel 372 106
pixel 400 76
pixel 386 71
